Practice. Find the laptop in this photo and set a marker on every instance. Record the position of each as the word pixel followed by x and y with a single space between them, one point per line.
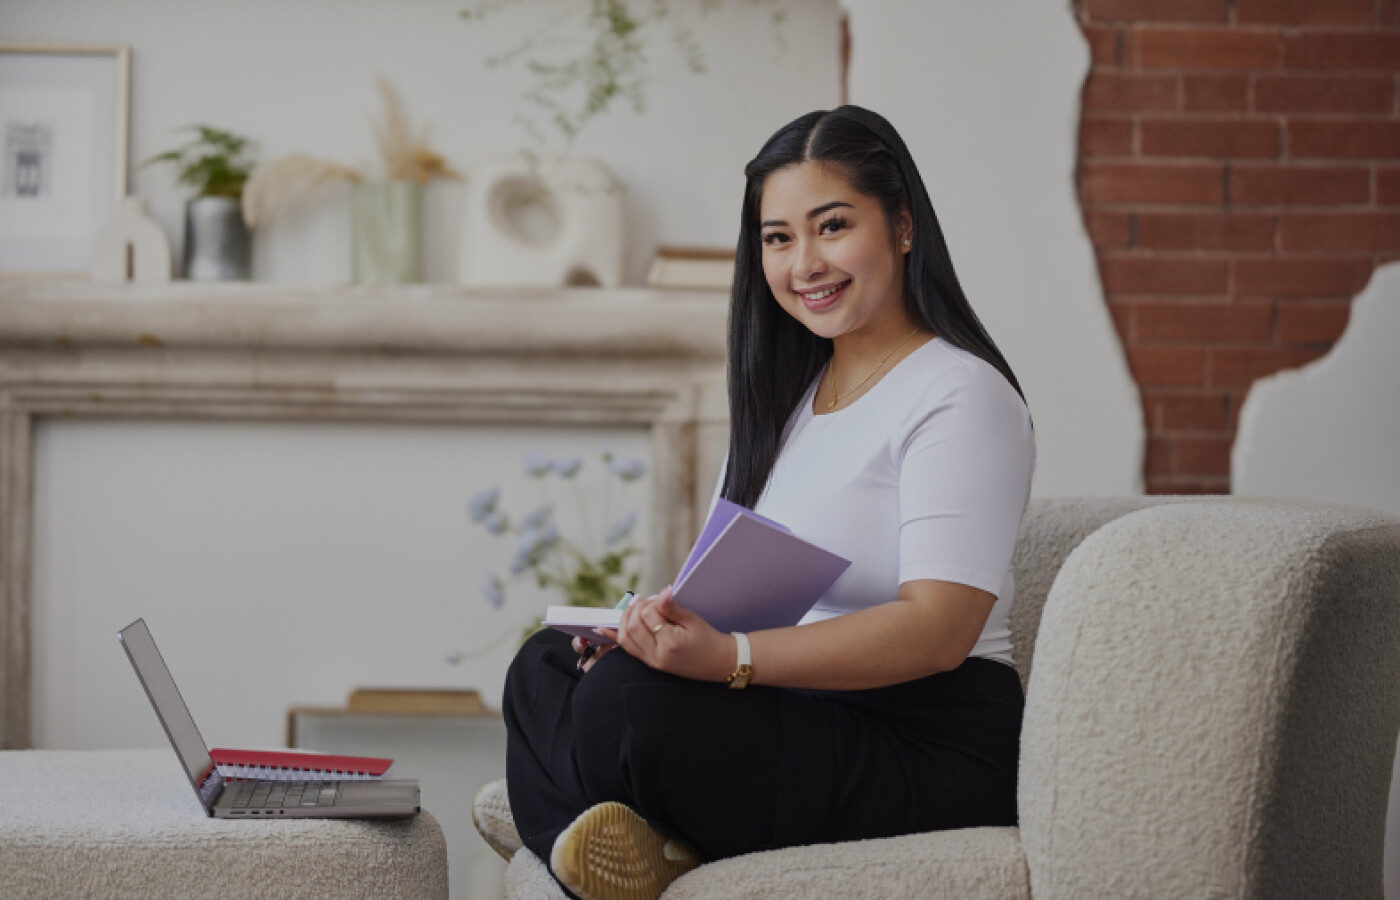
pixel 236 799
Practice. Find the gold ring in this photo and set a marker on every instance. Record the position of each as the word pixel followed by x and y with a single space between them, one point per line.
pixel 658 627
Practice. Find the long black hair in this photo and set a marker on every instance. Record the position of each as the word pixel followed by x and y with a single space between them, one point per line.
pixel 773 357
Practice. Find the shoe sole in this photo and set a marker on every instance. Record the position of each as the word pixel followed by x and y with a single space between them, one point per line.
pixel 611 853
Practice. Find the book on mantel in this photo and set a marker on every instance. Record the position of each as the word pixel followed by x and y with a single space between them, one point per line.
pixel 745 573
pixel 692 267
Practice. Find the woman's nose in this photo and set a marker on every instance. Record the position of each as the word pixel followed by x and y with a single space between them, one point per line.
pixel 809 261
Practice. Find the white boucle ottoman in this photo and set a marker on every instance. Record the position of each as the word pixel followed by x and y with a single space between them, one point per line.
pixel 125 823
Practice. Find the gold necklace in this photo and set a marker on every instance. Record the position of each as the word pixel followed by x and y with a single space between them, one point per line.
pixel 831 370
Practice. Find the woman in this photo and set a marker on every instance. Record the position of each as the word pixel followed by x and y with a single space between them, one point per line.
pixel 873 415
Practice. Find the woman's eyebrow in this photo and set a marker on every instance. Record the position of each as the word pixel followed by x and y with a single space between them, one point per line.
pixel 811 215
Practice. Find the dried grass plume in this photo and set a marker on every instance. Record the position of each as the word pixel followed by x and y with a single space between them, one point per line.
pixel 276 185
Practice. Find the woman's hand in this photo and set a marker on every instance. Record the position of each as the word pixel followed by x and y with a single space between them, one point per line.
pixel 669 637
pixel 586 658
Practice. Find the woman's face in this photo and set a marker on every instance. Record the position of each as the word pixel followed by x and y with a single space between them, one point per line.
pixel 817 233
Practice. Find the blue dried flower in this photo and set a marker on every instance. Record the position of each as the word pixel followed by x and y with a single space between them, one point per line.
pixel 483 503
pixel 537 464
pixel 627 469
pixel 494 590
pixel 621 528
pixel 568 467
pixel 536 519
pixel 497 523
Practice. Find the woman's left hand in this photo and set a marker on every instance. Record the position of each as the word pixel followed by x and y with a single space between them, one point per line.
pixel 667 636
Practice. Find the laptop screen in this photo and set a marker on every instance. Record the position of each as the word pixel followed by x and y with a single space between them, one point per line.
pixel 170 707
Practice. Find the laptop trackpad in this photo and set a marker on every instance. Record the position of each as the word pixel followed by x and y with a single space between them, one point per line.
pixel 389 793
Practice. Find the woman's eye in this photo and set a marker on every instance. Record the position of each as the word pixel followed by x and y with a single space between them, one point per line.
pixel 837 221
pixel 768 238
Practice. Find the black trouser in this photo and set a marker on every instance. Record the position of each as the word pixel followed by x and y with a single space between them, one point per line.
pixel 731 772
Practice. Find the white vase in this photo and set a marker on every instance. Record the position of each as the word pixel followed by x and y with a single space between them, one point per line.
pixel 564 227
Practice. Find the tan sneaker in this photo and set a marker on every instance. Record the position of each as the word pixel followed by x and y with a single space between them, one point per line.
pixel 491 816
pixel 611 853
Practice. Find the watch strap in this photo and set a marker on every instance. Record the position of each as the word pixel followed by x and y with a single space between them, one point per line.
pixel 743 671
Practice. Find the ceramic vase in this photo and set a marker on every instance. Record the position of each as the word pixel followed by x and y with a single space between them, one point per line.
pixel 218 244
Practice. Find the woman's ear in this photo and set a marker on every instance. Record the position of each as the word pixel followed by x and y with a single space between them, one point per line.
pixel 905 230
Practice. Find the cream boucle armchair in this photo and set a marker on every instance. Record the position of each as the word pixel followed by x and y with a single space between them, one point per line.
pixel 1212 712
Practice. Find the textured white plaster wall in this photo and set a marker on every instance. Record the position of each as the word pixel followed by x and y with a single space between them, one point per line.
pixel 1331 431
pixel 986 95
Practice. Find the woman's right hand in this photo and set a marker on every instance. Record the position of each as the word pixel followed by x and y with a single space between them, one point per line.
pixel 581 646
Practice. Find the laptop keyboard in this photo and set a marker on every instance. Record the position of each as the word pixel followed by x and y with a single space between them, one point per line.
pixel 282 794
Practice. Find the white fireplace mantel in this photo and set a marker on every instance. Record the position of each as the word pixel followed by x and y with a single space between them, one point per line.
pixel 590 357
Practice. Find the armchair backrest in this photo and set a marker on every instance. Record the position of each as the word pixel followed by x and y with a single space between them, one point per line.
pixel 1051 528
pixel 1215 698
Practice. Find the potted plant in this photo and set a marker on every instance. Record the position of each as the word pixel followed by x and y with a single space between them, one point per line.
pixel 218 245
pixel 385 213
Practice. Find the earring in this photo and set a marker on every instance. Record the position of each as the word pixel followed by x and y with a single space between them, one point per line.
pixel 907 242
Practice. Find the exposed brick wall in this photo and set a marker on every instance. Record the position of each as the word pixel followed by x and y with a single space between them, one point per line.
pixel 1239 175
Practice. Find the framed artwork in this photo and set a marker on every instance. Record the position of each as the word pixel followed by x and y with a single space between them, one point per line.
pixel 63 136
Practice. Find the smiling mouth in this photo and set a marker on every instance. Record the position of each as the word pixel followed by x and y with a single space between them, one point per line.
pixel 824 297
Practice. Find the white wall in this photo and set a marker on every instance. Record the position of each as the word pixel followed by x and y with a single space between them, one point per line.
pixel 986 95
pixel 298 76
pixel 279 565
pixel 1331 431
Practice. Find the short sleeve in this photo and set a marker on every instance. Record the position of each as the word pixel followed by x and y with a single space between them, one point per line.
pixel 964 481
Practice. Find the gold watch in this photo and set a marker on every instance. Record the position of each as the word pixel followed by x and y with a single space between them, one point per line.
pixel 744 671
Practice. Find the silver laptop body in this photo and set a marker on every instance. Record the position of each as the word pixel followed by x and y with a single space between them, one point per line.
pixel 252 799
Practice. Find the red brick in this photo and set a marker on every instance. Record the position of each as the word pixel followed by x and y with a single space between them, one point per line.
pixel 1141 183
pixel 1388 187
pixel 1312 323
pixel 1122 314
pixel 1208 137
pixel 1215 93
pixel 1153 321
pixel 1202 454
pixel 1300 277
pixel 1342 50
pixel 1158 10
pixel 1324 139
pixel 1159 456
pixel 1177 484
pixel 1205 48
pixel 1288 185
pixel 1303 12
pixel 1109 230
pixel 1105 44
pixel 1106 90
pixel 1155 275
pixel 1166 365
pixel 1340 231
pixel 1324 93
pixel 1187 412
pixel 1244 365
pixel 1205 231
pixel 1105 137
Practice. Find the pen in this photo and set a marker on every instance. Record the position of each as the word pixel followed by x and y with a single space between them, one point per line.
pixel 592 648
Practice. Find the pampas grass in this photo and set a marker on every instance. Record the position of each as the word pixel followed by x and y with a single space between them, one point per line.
pixel 404 155
pixel 282 182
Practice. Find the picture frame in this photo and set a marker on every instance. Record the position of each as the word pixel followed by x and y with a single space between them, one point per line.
pixel 64 119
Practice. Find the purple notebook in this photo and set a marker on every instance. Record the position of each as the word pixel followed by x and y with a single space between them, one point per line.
pixel 745 573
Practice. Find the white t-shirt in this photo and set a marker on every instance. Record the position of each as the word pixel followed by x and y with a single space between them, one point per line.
pixel 926 476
